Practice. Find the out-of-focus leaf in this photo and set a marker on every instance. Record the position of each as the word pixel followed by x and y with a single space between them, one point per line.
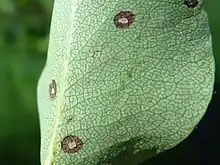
pixel 6 6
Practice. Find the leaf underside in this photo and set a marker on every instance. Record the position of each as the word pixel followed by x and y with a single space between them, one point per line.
pixel 123 93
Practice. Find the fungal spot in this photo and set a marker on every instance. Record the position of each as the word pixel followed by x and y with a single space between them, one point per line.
pixel 191 3
pixel 71 144
pixel 124 19
pixel 53 89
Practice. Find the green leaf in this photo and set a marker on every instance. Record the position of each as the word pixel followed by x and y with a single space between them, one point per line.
pixel 124 80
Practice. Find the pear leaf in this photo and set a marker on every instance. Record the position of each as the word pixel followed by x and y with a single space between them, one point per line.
pixel 124 80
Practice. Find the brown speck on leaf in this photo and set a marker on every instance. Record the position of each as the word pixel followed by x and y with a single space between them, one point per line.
pixel 124 19
pixel 71 144
pixel 53 89
pixel 191 3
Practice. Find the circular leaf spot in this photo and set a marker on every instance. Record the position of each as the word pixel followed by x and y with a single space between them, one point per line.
pixel 71 144
pixel 191 3
pixel 124 19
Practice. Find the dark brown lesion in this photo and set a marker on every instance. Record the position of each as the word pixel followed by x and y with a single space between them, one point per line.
pixel 71 144
pixel 124 19
pixel 191 3
pixel 53 89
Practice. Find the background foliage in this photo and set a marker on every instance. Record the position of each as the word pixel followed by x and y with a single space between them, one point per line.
pixel 24 31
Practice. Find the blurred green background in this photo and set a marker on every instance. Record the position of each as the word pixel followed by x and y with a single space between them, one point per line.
pixel 24 31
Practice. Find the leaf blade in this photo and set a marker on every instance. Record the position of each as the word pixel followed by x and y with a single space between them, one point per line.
pixel 159 72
